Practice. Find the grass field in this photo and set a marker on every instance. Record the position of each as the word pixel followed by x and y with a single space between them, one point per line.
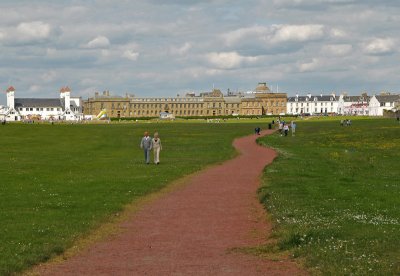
pixel 334 195
pixel 58 182
pixel 333 192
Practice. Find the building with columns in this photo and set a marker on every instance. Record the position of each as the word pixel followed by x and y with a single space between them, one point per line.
pixel 64 108
pixel 207 104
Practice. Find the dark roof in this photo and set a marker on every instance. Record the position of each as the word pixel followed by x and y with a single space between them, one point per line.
pixel 323 98
pixel 388 98
pixel 356 99
pixel 300 99
pixel 34 102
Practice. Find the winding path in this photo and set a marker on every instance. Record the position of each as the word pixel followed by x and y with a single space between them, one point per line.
pixel 192 230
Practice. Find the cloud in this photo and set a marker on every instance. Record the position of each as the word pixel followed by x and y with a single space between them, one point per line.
pixel 379 46
pixel 228 60
pixel 337 50
pixel 238 35
pixel 182 50
pixel 34 88
pixel 100 42
pixel 34 30
pixel 309 66
pixel 296 33
pixel 49 76
pixel 131 55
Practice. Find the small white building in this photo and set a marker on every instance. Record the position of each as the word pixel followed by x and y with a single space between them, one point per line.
pixel 353 105
pixel 63 108
pixel 312 105
pixel 379 103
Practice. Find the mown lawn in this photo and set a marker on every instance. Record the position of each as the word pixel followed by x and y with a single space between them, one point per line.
pixel 59 182
pixel 334 195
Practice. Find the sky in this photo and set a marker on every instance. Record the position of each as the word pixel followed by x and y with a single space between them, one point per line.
pixel 161 48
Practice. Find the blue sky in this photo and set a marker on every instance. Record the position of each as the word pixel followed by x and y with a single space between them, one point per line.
pixel 163 48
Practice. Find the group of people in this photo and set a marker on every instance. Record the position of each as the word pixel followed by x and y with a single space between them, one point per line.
pixel 147 144
pixel 284 128
pixel 345 122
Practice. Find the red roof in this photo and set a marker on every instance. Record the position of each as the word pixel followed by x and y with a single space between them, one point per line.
pixel 11 88
pixel 65 89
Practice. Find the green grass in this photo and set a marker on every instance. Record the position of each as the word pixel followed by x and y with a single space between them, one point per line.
pixel 59 182
pixel 334 195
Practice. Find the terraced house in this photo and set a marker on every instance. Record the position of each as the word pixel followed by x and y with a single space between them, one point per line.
pixel 207 104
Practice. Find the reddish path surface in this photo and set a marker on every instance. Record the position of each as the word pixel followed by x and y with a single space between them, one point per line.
pixel 192 230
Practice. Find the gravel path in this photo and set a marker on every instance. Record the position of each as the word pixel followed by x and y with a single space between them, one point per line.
pixel 193 230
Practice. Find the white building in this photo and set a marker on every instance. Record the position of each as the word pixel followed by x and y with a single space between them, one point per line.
pixel 312 105
pixel 63 108
pixel 379 103
pixel 353 105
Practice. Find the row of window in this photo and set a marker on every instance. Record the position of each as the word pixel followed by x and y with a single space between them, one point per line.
pixel 307 110
pixel 177 105
pixel 176 112
pixel 39 109
pixel 308 104
pixel 45 109
pixel 168 100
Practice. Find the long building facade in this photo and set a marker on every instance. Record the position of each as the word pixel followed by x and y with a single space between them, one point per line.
pixel 208 104
pixel 63 108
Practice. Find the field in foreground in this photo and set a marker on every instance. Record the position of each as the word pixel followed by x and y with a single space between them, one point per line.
pixel 58 182
pixel 334 195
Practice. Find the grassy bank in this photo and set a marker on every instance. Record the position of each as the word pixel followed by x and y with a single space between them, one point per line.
pixel 334 195
pixel 58 182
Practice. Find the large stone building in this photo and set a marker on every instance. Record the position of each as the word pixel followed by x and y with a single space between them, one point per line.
pixel 207 104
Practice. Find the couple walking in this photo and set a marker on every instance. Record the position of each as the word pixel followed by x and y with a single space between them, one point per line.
pixel 148 144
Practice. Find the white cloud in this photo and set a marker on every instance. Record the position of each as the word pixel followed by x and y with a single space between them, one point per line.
pixel 98 43
pixel 34 88
pixel 337 50
pixel 236 36
pixel 337 33
pixel 309 66
pixel 379 46
pixel 184 49
pixel 228 60
pixel 131 55
pixel 296 33
pixel 33 30
pixel 276 33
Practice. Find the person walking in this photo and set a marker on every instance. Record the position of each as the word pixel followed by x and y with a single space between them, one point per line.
pixel 145 144
pixel 157 147
pixel 286 129
pixel 293 127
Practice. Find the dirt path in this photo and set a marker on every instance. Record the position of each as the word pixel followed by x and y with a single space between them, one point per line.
pixel 192 230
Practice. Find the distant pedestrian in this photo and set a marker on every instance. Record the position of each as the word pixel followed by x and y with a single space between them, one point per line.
pixel 280 127
pixel 286 129
pixel 293 128
pixel 145 144
pixel 157 147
